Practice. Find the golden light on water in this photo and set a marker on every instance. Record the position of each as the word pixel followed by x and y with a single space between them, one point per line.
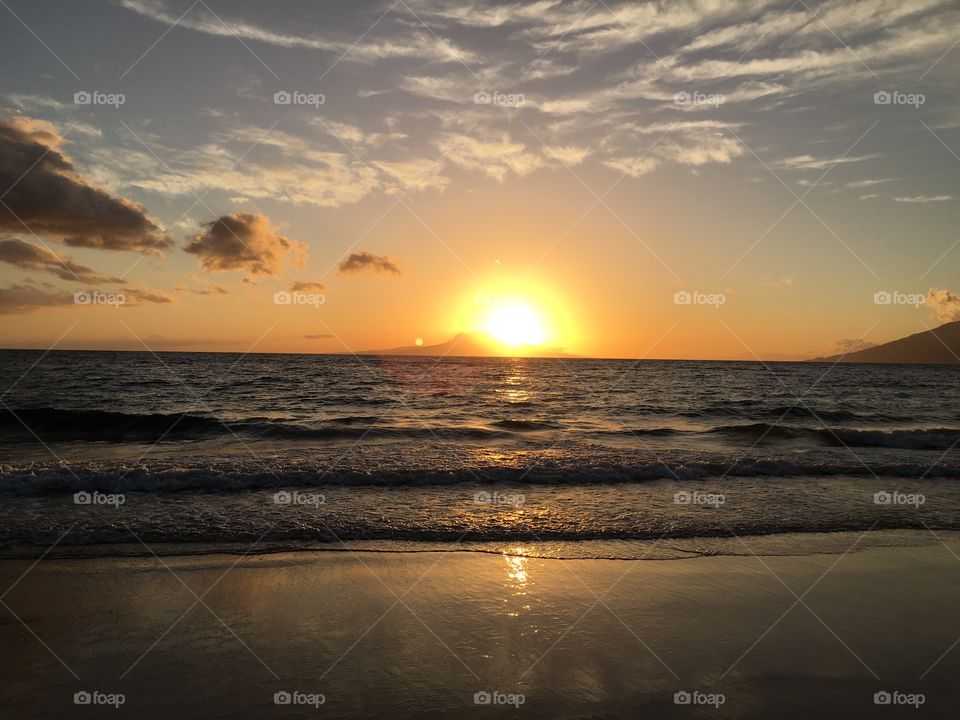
pixel 517 570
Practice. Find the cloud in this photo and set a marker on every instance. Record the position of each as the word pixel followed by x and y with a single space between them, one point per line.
pixel 419 45
pixel 139 296
pixel 633 166
pixel 212 290
pixel 924 199
pixel 495 159
pixel 945 304
pixel 319 336
pixel 568 154
pixel 26 256
pixel 808 162
pixel 414 175
pixel 701 149
pixel 23 298
pixel 48 196
pixel 277 166
pixel 246 242
pixel 303 286
pixel 690 143
pixel 365 261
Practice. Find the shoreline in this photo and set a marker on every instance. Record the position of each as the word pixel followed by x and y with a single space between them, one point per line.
pixel 774 544
pixel 417 634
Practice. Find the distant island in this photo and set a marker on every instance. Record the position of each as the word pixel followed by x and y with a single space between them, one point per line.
pixel 940 346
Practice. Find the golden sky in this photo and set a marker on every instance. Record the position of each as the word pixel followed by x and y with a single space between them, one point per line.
pixel 681 180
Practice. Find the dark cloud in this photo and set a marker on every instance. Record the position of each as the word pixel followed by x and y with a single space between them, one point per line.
pixel 945 304
pixel 29 297
pixel 212 290
pixel 140 296
pixel 242 241
pixel 365 261
pixel 20 299
pixel 301 286
pixel 49 197
pixel 27 256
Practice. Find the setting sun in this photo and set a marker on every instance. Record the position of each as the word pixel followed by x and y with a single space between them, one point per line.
pixel 515 323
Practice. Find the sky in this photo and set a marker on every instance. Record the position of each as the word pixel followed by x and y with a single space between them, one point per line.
pixel 716 180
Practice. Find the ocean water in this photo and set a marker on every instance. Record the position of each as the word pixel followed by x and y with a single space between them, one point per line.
pixel 107 452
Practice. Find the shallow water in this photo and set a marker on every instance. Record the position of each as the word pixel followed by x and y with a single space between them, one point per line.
pixel 193 448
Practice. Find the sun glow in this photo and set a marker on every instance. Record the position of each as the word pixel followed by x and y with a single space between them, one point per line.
pixel 515 323
pixel 516 317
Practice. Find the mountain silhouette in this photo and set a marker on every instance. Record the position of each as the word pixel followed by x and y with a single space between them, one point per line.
pixel 940 346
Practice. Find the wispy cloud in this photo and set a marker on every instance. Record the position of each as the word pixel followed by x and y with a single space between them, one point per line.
pixel 923 199
pixel 420 45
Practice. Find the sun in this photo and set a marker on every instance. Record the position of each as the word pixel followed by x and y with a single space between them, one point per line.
pixel 515 323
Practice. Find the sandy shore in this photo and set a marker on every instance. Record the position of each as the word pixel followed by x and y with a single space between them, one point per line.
pixel 420 634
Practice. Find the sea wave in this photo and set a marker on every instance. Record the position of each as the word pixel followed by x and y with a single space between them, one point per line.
pixel 761 432
pixel 56 424
pixel 254 475
pixel 69 425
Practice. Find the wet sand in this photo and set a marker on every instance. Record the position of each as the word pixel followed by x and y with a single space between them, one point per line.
pixel 421 634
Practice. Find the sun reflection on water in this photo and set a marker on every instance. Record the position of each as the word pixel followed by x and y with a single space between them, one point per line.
pixel 517 571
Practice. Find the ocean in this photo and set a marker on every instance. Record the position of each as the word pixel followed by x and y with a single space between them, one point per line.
pixel 109 453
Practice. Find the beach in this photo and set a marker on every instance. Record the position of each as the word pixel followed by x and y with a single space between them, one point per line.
pixel 426 634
